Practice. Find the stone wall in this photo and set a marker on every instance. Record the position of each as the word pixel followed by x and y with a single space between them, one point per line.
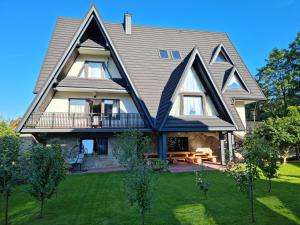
pixel 200 140
pixel 69 141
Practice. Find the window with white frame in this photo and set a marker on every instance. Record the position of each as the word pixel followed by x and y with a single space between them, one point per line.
pixel 79 106
pixel 94 70
pixel 192 105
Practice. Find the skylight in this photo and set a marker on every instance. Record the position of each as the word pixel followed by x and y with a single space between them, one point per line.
pixel 176 54
pixel 163 54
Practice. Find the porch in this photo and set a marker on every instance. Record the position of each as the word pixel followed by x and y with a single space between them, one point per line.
pixel 196 147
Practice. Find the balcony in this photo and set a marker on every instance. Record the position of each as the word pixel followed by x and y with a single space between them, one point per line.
pixel 62 120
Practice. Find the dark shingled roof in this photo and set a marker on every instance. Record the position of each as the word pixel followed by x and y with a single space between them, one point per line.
pixel 116 84
pixel 150 74
pixel 196 122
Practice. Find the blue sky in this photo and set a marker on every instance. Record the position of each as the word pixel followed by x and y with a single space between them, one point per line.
pixel 255 27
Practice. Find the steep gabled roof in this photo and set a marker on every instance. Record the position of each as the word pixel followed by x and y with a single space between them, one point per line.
pixel 191 60
pixel 149 75
pixel 57 67
pixel 64 31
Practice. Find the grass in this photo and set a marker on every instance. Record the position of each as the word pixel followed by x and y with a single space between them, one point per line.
pixel 98 199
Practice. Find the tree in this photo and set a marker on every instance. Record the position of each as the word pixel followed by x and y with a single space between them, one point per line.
pixel 139 181
pixel 202 183
pixel 283 132
pixel 46 169
pixel 280 82
pixel 9 162
pixel 252 151
pixel 268 163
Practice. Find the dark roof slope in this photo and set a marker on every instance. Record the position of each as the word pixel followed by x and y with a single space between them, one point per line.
pixel 116 84
pixel 149 73
pixel 64 31
pixel 197 122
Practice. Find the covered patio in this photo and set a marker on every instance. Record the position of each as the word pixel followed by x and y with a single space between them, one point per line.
pixel 194 147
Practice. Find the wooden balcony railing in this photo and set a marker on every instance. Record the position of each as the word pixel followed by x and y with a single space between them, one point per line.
pixel 58 120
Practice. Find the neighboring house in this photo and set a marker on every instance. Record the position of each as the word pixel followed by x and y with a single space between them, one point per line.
pixel 187 89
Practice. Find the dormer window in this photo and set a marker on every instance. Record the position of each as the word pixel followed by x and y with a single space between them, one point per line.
pixel 94 70
pixel 163 54
pixel 221 58
pixel 220 55
pixel 234 83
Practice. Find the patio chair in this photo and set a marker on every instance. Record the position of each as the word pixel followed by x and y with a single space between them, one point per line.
pixel 76 157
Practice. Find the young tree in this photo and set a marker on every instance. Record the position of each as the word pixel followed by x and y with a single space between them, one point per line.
pixel 201 183
pixel 9 163
pixel 252 152
pixel 46 169
pixel 139 181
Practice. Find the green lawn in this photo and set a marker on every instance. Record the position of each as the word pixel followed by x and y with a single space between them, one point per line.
pixel 98 199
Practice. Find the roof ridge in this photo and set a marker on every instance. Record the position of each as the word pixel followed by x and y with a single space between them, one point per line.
pixel 166 28
pixel 67 17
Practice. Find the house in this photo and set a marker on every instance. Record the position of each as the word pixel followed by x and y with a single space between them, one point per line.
pixel 186 89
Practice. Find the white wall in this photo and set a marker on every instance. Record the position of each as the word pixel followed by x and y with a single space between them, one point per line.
pixel 79 62
pixel 240 108
pixel 60 101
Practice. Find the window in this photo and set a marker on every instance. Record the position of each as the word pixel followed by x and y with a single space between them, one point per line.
pixel 97 146
pixel 176 54
pixel 234 83
pixel 163 54
pixel 192 105
pixel 87 146
pixel 94 70
pixel 79 106
pixel 221 58
pixel 178 144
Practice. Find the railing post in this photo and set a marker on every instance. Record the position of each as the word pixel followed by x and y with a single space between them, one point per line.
pixel 109 122
pixel 127 120
pixel 53 115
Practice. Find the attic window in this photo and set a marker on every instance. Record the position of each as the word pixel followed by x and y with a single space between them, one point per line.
pixel 221 58
pixel 176 54
pixel 163 54
pixel 234 83
pixel 94 70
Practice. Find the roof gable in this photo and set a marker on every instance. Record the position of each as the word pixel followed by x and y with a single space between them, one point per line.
pixel 69 51
pixel 196 59
pixel 234 81
pixel 220 55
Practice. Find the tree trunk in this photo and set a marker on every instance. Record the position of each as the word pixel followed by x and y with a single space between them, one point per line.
pixel 6 209
pixel 270 185
pixel 42 208
pixel 251 198
pixel 143 217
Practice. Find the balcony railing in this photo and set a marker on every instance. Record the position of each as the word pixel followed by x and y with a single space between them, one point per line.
pixel 58 120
